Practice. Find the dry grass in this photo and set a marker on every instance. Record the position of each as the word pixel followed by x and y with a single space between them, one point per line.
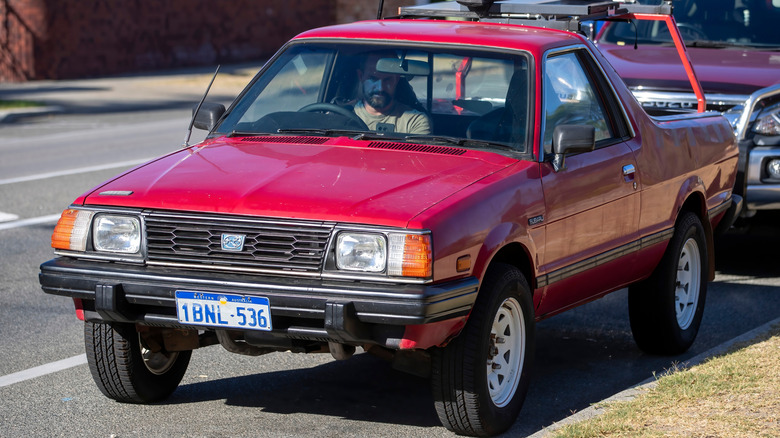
pixel 730 396
pixel 14 104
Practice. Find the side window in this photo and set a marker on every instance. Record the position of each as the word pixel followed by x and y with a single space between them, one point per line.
pixel 571 99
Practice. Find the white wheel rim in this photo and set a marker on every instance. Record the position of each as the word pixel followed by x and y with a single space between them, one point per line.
pixel 157 363
pixel 506 352
pixel 686 294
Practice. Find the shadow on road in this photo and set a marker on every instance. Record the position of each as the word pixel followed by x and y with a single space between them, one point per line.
pixel 363 388
pixel 752 248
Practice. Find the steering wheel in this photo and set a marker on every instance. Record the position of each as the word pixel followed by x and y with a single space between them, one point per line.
pixel 333 108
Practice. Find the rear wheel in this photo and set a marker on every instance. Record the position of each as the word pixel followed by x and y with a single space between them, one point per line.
pixel 666 309
pixel 480 379
pixel 126 369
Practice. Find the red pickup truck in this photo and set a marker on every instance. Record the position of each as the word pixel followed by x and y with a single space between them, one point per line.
pixel 422 188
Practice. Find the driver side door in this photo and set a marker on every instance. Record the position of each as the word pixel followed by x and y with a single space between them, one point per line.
pixel 592 205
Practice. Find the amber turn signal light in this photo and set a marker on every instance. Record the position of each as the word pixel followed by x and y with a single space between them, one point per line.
pixel 71 230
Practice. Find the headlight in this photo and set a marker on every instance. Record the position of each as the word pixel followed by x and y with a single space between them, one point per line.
pixel 361 252
pixel 768 122
pixel 116 233
pixel 734 114
pixel 394 254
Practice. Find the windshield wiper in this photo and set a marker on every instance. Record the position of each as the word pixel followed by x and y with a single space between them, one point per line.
pixel 320 131
pixel 372 136
pixel 246 134
pixel 706 44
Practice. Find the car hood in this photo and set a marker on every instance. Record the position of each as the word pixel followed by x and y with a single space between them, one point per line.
pixel 721 70
pixel 339 180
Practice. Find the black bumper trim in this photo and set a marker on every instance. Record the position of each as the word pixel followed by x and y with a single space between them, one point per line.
pixel 136 293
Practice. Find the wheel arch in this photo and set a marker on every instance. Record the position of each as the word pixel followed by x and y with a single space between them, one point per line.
pixel 695 203
pixel 517 255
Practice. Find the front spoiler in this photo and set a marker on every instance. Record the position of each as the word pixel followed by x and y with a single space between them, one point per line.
pixel 341 311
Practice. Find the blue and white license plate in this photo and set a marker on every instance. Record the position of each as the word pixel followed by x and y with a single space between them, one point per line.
pixel 223 310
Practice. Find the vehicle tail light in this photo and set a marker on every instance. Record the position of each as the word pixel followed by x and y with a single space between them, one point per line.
pixel 72 230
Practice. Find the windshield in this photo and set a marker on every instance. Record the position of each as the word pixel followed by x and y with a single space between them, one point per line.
pixel 440 95
pixel 707 23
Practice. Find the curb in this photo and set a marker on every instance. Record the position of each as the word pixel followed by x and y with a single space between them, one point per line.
pixel 7 116
pixel 598 408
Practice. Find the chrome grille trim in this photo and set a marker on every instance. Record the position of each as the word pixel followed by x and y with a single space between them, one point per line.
pixel 271 246
pixel 687 98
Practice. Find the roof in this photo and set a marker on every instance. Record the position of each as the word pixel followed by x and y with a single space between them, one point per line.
pixel 495 35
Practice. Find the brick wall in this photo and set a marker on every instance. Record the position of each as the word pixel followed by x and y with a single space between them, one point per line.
pixel 353 10
pixel 59 39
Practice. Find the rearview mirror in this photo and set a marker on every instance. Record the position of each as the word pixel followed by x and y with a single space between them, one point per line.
pixel 405 67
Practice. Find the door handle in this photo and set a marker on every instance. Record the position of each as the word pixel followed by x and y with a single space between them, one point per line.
pixel 629 173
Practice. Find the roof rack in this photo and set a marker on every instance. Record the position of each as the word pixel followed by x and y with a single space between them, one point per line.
pixel 557 14
pixel 565 15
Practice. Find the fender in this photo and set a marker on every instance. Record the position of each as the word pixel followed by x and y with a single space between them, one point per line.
pixel 513 244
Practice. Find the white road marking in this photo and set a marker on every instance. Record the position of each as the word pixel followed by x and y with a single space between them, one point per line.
pixel 73 171
pixel 52 218
pixel 7 217
pixel 42 370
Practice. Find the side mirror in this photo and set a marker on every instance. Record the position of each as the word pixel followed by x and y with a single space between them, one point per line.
pixel 208 116
pixel 571 139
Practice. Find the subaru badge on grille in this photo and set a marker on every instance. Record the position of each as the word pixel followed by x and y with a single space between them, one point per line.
pixel 232 242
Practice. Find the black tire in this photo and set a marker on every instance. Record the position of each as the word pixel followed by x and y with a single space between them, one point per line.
pixel 126 372
pixel 666 309
pixel 471 395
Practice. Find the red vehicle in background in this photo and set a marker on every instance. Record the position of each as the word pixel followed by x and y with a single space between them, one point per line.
pixel 735 48
pixel 535 183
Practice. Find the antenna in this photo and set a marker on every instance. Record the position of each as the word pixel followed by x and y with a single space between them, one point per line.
pixel 381 8
pixel 197 109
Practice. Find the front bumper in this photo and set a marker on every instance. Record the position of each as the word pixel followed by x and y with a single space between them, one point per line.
pixel 305 309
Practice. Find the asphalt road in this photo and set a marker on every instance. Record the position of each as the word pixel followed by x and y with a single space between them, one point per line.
pixel 582 356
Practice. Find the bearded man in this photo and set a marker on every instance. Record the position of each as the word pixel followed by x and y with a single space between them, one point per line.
pixel 378 106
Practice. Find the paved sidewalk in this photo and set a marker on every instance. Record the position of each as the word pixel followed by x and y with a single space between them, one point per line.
pixel 175 89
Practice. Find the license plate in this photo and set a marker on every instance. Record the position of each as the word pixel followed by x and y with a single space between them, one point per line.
pixel 223 310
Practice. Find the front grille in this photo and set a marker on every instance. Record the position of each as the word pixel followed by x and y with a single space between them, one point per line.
pixel 288 247
pixel 667 102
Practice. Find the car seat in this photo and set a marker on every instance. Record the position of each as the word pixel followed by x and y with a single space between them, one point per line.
pixel 506 124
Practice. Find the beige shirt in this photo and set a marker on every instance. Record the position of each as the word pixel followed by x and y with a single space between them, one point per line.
pixel 402 119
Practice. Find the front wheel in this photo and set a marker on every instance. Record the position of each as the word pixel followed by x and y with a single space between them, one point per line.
pixel 127 370
pixel 480 379
pixel 666 310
